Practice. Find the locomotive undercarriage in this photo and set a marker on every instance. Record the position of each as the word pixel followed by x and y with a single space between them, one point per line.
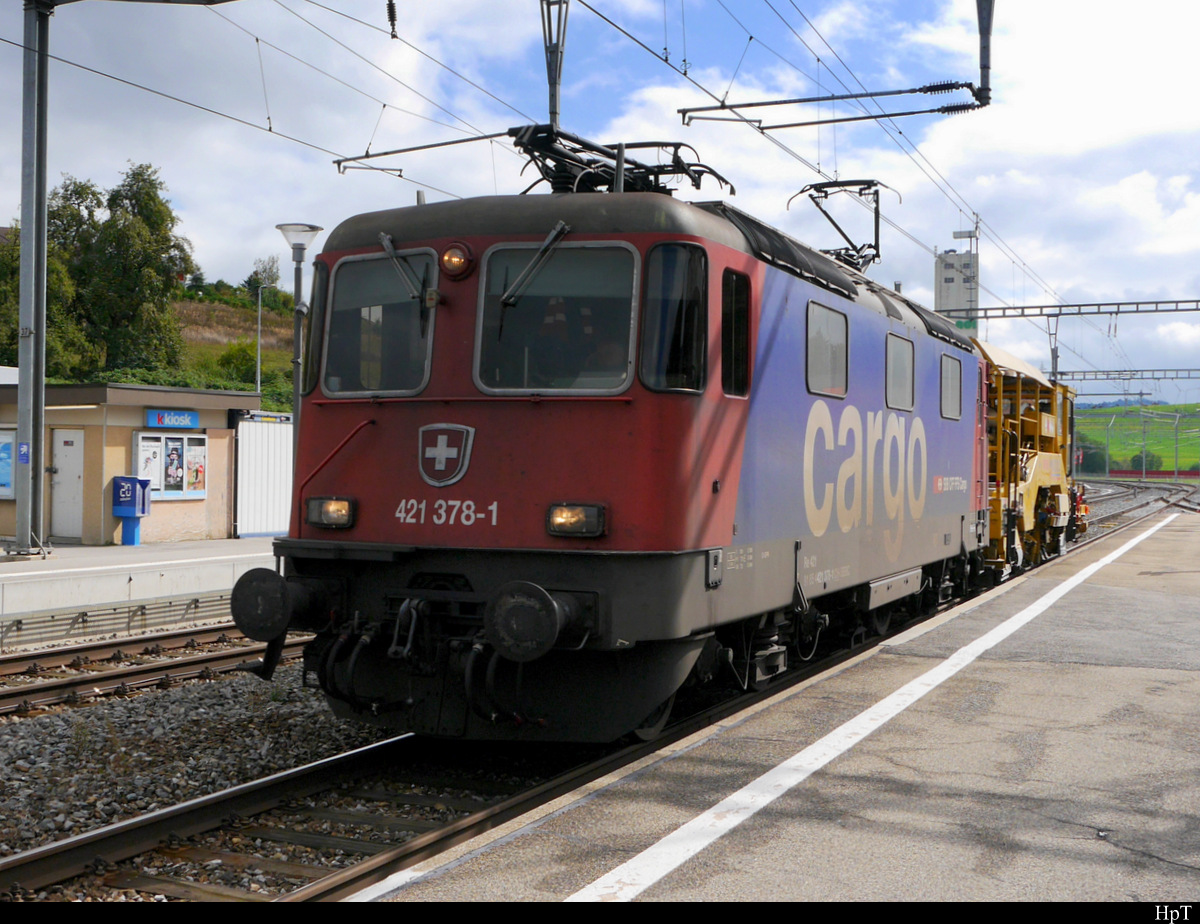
pixel 444 644
pixel 586 648
pixel 749 653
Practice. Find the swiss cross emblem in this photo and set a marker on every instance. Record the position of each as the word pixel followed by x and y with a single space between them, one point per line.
pixel 444 452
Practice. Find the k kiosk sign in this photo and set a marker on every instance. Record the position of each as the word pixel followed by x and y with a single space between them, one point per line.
pixel 172 419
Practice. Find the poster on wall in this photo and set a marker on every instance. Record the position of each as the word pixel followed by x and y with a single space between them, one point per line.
pixel 7 441
pixel 173 478
pixel 149 457
pixel 196 457
pixel 175 464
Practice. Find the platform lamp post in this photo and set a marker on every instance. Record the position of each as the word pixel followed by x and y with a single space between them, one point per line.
pixel 258 346
pixel 29 452
pixel 298 235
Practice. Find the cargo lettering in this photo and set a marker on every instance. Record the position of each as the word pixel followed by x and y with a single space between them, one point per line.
pixel 858 443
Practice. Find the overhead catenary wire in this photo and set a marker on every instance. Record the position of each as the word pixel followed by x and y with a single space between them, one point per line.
pixel 471 129
pixel 324 73
pixel 375 66
pixel 216 112
pixel 795 155
pixel 426 55
pixel 897 136
pixel 263 74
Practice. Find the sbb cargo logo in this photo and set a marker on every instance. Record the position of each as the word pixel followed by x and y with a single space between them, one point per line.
pixel 846 465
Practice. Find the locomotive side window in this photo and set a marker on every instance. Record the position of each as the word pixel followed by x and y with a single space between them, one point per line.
pixel 951 388
pixel 735 333
pixel 899 373
pixel 828 349
pixel 378 336
pixel 566 328
pixel 675 319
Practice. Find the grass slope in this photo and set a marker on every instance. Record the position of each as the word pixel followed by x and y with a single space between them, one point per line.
pixel 1128 431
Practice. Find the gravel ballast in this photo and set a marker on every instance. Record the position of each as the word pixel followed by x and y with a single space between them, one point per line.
pixel 78 769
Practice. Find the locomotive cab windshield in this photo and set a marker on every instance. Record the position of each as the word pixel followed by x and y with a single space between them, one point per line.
pixel 377 338
pixel 570 329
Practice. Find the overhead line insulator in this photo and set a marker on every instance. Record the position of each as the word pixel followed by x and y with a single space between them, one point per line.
pixel 944 86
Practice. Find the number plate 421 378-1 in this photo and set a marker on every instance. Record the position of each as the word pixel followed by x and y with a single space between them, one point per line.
pixel 448 512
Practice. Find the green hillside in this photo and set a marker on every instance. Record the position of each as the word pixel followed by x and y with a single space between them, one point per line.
pixel 1129 430
pixel 219 344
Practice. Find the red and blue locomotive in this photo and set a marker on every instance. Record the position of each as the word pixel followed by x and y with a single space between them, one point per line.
pixel 561 454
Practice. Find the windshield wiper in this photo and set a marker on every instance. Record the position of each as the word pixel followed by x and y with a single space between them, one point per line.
pixel 404 269
pixel 521 283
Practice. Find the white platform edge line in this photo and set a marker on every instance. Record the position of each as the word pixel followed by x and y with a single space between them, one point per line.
pixel 136 566
pixel 633 877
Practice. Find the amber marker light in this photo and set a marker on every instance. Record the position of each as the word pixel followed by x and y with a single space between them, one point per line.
pixel 330 512
pixel 456 261
pixel 585 520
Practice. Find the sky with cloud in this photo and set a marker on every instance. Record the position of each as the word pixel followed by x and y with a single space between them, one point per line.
pixel 1085 170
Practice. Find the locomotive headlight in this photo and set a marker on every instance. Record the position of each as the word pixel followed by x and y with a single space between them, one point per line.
pixel 575 520
pixel 456 261
pixel 330 512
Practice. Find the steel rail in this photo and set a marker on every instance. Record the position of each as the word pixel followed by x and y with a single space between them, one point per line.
pixel 63 656
pixel 1165 500
pixel 80 854
pixel 58 690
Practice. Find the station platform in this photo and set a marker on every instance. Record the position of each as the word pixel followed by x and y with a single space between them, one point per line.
pixel 1039 742
pixel 110 582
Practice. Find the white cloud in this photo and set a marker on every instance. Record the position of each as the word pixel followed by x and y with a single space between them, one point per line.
pixel 1181 333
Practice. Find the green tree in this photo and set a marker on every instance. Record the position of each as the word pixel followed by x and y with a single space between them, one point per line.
pixel 1094 455
pixel 239 360
pixel 1153 461
pixel 67 347
pixel 265 273
pixel 125 260
pixel 73 218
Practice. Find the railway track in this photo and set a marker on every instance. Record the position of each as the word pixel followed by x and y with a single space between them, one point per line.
pixel 1122 502
pixel 35 680
pixel 303 813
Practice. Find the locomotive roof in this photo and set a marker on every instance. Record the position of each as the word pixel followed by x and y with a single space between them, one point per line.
pixel 586 213
pixel 632 213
